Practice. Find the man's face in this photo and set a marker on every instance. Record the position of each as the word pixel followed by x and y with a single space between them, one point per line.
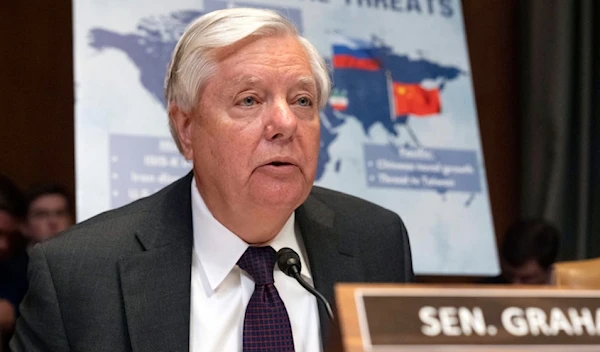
pixel 48 215
pixel 530 273
pixel 255 133
pixel 9 228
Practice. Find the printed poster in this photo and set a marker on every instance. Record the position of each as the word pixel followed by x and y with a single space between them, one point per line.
pixel 400 128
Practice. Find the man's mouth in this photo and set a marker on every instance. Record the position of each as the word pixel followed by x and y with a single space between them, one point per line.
pixel 279 163
pixel 281 167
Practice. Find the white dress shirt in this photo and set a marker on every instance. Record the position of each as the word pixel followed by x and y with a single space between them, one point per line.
pixel 220 290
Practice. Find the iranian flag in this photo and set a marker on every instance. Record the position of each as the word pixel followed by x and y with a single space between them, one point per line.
pixel 338 100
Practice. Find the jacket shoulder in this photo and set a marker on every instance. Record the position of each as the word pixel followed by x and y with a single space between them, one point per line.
pixel 378 232
pixel 110 232
pixel 345 204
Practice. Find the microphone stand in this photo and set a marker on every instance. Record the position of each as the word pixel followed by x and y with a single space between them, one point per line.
pixel 296 275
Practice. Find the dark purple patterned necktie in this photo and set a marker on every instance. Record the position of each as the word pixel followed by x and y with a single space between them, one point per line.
pixel 266 324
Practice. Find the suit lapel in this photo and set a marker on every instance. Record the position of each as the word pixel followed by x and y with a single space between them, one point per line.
pixel 332 258
pixel 156 282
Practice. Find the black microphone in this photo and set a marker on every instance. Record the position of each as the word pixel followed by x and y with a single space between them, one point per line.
pixel 289 262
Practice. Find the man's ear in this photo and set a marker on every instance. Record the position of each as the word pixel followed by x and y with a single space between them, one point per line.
pixel 182 123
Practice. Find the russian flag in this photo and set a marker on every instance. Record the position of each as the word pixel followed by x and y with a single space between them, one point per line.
pixel 353 54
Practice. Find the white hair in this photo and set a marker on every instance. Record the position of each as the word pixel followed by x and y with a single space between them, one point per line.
pixel 194 59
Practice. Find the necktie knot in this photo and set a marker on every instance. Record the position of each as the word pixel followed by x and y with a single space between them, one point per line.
pixel 259 263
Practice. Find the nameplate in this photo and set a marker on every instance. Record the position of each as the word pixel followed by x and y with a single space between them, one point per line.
pixel 477 319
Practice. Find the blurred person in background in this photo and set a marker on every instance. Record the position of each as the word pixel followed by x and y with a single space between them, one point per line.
pixel 13 257
pixel 528 251
pixel 48 212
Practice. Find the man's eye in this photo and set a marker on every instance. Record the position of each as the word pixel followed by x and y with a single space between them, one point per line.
pixel 248 101
pixel 41 214
pixel 304 101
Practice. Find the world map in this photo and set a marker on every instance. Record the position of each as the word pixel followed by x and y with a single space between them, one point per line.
pixel 365 92
pixel 399 128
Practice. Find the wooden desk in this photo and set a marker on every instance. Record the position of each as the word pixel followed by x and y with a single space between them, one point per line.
pixel 349 338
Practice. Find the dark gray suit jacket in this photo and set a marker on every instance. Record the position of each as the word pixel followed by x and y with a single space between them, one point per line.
pixel 121 281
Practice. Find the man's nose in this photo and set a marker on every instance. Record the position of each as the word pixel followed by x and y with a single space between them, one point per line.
pixel 53 223
pixel 281 123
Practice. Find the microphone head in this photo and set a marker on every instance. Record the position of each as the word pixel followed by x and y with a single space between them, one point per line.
pixel 288 261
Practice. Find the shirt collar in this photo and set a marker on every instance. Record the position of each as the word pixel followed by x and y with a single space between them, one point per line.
pixel 218 249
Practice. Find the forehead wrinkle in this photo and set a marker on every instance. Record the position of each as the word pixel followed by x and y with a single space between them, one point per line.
pixel 305 82
pixel 244 80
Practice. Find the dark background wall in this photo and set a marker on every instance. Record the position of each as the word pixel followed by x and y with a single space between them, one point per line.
pixel 493 36
pixel 36 86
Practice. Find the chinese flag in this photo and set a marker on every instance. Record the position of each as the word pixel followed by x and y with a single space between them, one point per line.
pixel 416 100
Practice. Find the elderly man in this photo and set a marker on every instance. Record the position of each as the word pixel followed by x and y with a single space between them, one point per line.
pixel 192 268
